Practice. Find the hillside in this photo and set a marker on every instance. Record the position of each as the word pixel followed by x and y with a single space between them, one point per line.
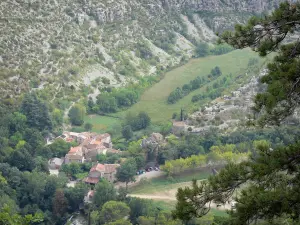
pixel 63 45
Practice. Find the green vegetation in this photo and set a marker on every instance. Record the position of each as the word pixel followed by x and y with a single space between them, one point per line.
pixel 76 115
pixel 127 171
pixel 101 123
pixel 269 179
pixel 215 156
pixel 193 85
pixel 137 122
pixel 153 100
pixel 163 183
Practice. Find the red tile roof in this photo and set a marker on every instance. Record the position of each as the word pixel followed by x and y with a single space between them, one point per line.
pixel 91 180
pixel 74 149
pixel 106 168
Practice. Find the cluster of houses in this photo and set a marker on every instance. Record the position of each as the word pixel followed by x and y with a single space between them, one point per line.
pixel 89 146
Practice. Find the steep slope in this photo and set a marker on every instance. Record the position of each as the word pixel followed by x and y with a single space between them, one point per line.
pixel 52 43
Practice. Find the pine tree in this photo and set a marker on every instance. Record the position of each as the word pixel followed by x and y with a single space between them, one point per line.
pixel 268 182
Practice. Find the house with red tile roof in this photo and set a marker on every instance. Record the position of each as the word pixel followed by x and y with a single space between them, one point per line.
pixel 98 171
pixel 90 145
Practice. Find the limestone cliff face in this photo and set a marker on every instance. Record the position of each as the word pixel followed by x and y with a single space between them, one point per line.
pixel 121 10
pixel 47 43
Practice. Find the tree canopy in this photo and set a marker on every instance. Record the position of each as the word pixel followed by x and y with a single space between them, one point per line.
pixel 127 171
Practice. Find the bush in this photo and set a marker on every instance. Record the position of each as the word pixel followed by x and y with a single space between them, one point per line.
pixel 221 49
pixel 202 50
pixel 76 115
pixel 138 122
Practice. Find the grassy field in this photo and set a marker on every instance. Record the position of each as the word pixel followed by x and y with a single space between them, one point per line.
pixel 154 100
pixel 166 187
pixel 163 183
pixel 101 123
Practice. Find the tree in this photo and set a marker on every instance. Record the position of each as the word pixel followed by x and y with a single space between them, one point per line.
pixel 104 192
pixel 76 115
pixel 76 195
pixel 127 132
pixel 127 171
pixel 138 122
pixel 140 161
pixel 22 160
pixel 268 182
pixel 36 112
pixel 113 210
pixel 60 203
pixel 140 207
pixel 107 103
pixel 144 120
pixel 202 50
pixel 58 148
pixel 88 126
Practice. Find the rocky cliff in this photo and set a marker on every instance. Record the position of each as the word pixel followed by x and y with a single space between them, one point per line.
pixel 57 44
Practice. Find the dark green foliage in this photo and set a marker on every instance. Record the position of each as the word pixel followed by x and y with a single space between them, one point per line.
pixel 107 103
pixel 76 195
pixel 88 126
pixel 137 122
pixel 197 83
pixel 113 211
pixel 266 168
pixel 110 102
pixel 90 106
pixel 76 115
pixel 144 51
pixel 140 161
pixel 32 192
pixel 202 50
pixel 58 148
pixel 221 49
pixel 175 96
pixel 127 171
pixel 104 192
pixel 216 72
pixel 127 132
pixel 140 207
pixel 22 160
pixel 36 112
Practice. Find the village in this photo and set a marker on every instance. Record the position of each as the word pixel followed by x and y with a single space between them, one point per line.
pixel 89 146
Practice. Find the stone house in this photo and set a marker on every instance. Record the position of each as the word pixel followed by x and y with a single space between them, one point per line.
pixel 75 155
pixel 55 163
pixel 98 171
pixel 178 127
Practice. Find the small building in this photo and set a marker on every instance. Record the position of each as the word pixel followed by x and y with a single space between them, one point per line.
pixel 92 150
pixel 98 171
pixel 75 155
pixel 89 197
pixel 55 163
pixel 178 127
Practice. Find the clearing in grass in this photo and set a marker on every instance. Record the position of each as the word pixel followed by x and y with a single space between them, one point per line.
pixel 101 123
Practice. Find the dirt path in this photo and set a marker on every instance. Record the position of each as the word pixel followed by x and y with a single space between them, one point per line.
pixel 170 195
